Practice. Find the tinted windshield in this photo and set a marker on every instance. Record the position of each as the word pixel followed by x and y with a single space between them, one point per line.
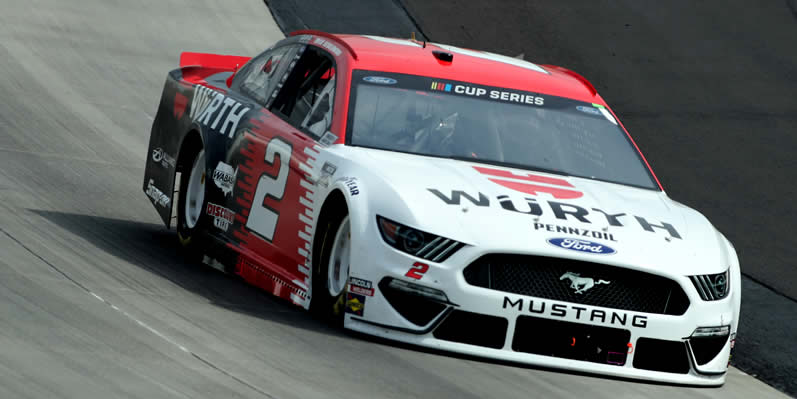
pixel 492 125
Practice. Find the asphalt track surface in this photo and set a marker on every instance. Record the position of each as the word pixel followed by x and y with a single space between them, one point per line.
pixel 707 90
pixel 95 301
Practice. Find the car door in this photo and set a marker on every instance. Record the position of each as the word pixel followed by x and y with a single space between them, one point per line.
pixel 274 158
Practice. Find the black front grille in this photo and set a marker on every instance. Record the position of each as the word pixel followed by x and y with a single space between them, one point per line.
pixel 568 340
pixel 474 329
pixel 544 277
pixel 659 355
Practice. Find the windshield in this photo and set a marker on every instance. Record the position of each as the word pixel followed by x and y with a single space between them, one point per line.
pixel 492 125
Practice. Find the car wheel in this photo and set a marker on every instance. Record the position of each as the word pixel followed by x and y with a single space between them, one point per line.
pixel 191 206
pixel 332 273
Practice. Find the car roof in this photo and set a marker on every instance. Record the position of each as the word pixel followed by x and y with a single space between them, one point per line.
pixel 417 58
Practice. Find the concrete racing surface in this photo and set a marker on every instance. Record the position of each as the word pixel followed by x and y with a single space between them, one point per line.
pixel 367 17
pixel 95 300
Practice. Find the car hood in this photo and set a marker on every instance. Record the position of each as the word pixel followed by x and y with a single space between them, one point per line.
pixel 519 211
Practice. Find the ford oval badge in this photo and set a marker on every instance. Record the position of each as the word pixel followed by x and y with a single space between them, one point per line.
pixel 589 110
pixel 379 80
pixel 581 246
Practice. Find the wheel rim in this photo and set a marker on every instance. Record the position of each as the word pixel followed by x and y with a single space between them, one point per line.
pixel 338 268
pixel 195 193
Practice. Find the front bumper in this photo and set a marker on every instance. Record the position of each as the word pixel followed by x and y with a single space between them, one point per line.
pixel 497 325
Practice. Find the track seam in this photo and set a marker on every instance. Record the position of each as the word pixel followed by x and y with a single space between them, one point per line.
pixel 412 19
pixel 769 287
pixel 137 321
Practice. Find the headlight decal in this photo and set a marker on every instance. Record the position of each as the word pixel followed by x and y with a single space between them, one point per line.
pixel 712 287
pixel 415 242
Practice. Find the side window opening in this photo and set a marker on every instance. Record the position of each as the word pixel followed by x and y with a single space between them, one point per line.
pixel 307 96
pixel 264 73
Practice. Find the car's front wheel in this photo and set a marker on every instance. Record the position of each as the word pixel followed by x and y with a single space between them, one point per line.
pixel 331 275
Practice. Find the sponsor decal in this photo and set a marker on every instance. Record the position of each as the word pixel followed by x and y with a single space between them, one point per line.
pixel 328 45
pixel 440 86
pixel 380 80
pixel 327 171
pixel 531 184
pixel 574 231
pixel 328 139
pixel 351 184
pixel 355 303
pixel 581 284
pixel 561 210
pixel 159 156
pixel 222 217
pixel 158 197
pixel 360 286
pixel 180 102
pixel 216 111
pixel 588 110
pixel 224 177
pixel 581 246
pixel 499 95
pixel 561 310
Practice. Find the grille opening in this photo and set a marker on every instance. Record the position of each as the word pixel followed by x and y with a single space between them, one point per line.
pixel 711 287
pixel 660 355
pixel 416 309
pixel 474 329
pixel 544 277
pixel 706 349
pixel 562 339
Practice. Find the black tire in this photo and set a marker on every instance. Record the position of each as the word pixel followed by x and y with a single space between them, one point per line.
pixel 323 304
pixel 191 238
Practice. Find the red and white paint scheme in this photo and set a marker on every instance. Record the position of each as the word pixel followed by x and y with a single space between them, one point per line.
pixel 444 197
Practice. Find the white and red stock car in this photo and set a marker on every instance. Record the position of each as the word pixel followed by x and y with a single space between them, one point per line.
pixel 448 198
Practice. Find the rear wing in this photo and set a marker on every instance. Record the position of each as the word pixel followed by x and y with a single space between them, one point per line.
pixel 215 61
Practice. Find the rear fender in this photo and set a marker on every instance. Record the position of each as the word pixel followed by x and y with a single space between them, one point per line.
pixel 169 129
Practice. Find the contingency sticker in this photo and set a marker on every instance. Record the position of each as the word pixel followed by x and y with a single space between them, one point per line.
pixel 355 304
pixel 222 217
pixel 361 286
pixel 224 177
pixel 158 197
pixel 328 139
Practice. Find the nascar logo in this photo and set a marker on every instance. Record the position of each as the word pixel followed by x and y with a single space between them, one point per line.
pixel 439 86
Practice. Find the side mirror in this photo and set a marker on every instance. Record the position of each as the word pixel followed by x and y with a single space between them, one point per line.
pixel 267 67
pixel 234 72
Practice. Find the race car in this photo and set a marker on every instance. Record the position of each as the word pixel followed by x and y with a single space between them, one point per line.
pixel 443 197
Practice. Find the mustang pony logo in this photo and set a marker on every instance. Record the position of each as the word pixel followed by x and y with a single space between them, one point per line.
pixel 581 284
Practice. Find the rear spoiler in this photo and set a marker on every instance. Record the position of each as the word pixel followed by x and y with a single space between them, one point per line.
pixel 215 61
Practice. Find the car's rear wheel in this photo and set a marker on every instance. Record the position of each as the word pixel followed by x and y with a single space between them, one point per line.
pixel 331 274
pixel 191 206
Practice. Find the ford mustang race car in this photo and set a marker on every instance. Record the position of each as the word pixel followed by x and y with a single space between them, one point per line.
pixel 448 198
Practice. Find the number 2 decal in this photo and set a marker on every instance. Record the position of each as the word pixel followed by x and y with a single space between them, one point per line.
pixel 262 218
pixel 417 270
